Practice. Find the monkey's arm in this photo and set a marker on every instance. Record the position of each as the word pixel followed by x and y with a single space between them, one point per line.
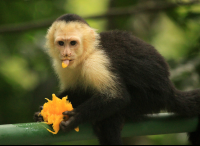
pixel 98 107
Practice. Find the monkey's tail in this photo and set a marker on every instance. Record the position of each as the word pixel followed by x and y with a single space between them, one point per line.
pixel 188 103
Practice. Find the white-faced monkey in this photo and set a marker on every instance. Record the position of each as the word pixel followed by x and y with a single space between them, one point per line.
pixel 111 76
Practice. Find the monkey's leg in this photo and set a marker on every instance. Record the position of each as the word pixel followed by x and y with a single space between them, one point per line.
pixel 194 137
pixel 108 131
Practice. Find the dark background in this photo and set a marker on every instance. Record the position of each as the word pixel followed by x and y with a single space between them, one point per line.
pixel 26 75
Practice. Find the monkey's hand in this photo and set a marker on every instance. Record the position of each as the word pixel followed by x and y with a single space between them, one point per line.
pixel 37 117
pixel 72 122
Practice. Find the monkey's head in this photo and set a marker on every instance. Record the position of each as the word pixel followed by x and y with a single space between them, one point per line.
pixel 70 40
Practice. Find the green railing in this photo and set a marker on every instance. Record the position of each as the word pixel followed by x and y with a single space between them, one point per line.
pixel 35 133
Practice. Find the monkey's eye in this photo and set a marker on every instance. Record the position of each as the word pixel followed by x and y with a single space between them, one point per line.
pixel 73 43
pixel 61 43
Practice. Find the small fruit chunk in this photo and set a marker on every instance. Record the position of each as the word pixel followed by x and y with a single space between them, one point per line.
pixel 65 63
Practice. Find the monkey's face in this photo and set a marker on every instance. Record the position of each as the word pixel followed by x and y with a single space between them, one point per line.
pixel 69 46
pixel 70 43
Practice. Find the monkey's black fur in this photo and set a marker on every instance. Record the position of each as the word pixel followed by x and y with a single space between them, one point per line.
pixel 71 17
pixel 144 87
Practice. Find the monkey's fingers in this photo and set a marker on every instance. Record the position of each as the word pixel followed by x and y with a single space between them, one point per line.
pixel 37 117
pixel 41 108
pixel 68 125
pixel 69 113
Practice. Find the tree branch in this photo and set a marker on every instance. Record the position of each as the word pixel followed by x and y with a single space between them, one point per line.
pixel 13 28
pixel 111 13
pixel 139 9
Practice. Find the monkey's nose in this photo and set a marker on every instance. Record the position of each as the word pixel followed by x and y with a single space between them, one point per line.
pixel 66 55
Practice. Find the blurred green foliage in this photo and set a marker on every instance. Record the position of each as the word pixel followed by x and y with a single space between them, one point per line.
pixel 26 75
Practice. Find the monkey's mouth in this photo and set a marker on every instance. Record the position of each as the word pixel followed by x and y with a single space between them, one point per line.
pixel 70 61
pixel 63 59
pixel 66 62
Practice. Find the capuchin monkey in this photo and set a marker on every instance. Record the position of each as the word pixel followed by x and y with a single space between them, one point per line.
pixel 111 76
